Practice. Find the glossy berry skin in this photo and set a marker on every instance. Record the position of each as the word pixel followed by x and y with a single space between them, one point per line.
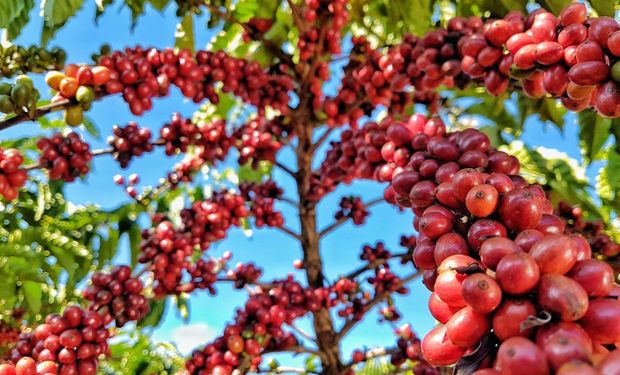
pixel 438 350
pixel 517 273
pixel 481 200
pixel 518 353
pixel 482 293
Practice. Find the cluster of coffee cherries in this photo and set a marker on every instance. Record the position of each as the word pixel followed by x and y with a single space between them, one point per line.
pixel 258 327
pixel 16 59
pixel 256 25
pixel 73 342
pixel 78 84
pixel 128 142
pixel 260 139
pixel 12 178
pixel 375 253
pixel 28 366
pixel 167 252
pixel 262 198
pixel 117 296
pixel 330 16
pixel 357 155
pixel 209 220
pixel 495 254
pixel 211 136
pixel 65 157
pixel 18 97
pixel 142 74
pixel 592 230
pixel 353 208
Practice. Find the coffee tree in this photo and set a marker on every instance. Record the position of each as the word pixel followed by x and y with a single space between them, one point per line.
pixel 518 249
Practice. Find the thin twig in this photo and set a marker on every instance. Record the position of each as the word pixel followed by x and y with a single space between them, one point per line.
pixel 330 228
pixel 322 139
pixel 290 232
pixel 290 202
pixel 286 370
pixel 301 332
pixel 285 169
pixel 372 265
pixel 376 299
pixel 40 112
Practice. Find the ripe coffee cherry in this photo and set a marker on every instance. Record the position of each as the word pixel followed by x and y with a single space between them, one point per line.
pixel 464 180
pixel 449 244
pixel 595 276
pixel 518 353
pixel 520 210
pixel 482 230
pixel 65 157
pixel 562 296
pixel 517 273
pixel 438 350
pixel 494 249
pixel 602 319
pixel 439 309
pixel 508 317
pixel 467 326
pixel 555 253
pixel 481 200
pixel 482 293
pixel 434 225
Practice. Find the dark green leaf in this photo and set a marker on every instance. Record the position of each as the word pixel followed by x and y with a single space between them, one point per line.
pixel 20 19
pixel 134 243
pixel 604 7
pixel 555 6
pixel 184 34
pixel 159 4
pixel 156 312
pixel 90 127
pixel 55 14
pixel 593 133
pixel 33 295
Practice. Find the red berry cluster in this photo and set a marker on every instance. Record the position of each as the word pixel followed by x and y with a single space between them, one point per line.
pixel 185 170
pixel 262 198
pixel 258 327
pixel 168 252
pixel 356 155
pixel 73 341
pixel 65 157
pixel 117 296
pixel 260 139
pixel 475 214
pixel 129 141
pixel 142 74
pixel 244 274
pixel 373 254
pixel 385 280
pixel 368 75
pixel 329 16
pixel 209 220
pixel 353 208
pixel 257 25
pixel 591 230
pixel 408 347
pixel 12 178
pixel 28 366
pixel 8 335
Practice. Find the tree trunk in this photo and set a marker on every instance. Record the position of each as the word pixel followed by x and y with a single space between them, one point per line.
pixel 327 341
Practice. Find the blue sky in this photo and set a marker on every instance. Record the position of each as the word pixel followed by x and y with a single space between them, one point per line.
pixel 272 250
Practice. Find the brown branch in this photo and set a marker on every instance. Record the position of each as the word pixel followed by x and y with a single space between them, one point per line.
pixel 343 220
pixel 285 169
pixel 286 370
pixel 322 139
pixel 271 46
pixel 301 332
pixel 289 232
pixel 290 202
pixel 372 265
pixel 373 302
pixel 40 112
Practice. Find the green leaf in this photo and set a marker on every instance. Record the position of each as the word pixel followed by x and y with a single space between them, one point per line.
pixel 20 20
pixel 184 34
pixel 555 6
pixel 159 4
pixel 135 238
pixel 515 4
pixel 8 10
pixel 593 133
pixel 55 14
pixel 90 127
pixel 247 173
pixel 182 304
pixel 608 181
pixel 33 294
pixel 604 7
pixel 156 312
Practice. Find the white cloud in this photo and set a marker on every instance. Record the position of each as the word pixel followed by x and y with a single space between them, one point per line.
pixel 189 337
